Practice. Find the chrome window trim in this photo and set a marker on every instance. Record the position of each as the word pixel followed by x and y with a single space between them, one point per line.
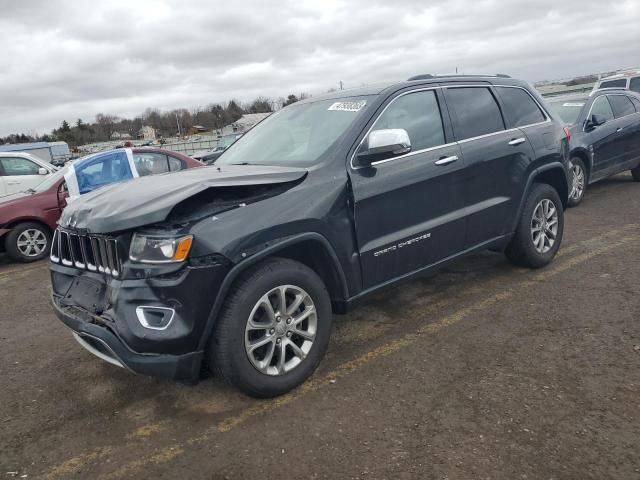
pixel 353 156
pixel 487 85
pixel 614 115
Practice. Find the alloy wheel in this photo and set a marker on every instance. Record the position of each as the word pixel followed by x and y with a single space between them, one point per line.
pixel 544 225
pixel 280 330
pixel 31 242
pixel 577 182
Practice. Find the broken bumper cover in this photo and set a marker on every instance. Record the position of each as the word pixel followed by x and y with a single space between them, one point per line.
pixel 105 344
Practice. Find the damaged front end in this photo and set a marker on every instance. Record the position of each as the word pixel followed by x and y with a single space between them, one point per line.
pixel 136 271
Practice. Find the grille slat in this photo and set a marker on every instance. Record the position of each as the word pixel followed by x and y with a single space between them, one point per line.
pixel 87 252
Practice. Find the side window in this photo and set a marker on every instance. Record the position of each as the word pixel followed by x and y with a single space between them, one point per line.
pixel 620 83
pixel 175 164
pixel 417 113
pixel 16 166
pixel 148 163
pixel 476 110
pixel 520 107
pixel 601 107
pixel 636 102
pixel 621 105
pixel 634 84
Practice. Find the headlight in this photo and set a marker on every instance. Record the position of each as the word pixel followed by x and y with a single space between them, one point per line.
pixel 159 248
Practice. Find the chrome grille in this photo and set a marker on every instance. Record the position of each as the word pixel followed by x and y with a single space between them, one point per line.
pixel 88 252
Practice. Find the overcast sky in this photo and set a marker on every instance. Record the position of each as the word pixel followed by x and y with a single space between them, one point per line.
pixel 73 59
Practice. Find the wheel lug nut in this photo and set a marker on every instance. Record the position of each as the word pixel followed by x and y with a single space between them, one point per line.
pixel 278 318
pixel 288 334
pixel 288 321
pixel 278 340
pixel 271 331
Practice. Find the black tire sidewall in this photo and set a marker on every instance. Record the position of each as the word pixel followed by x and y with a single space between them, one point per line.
pixel 571 202
pixel 11 239
pixel 236 366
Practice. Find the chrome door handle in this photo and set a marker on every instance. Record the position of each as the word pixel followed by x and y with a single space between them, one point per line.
pixel 517 141
pixel 619 129
pixel 446 160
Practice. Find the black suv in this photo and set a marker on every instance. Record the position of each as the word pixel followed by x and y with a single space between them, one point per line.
pixel 240 265
pixel 605 135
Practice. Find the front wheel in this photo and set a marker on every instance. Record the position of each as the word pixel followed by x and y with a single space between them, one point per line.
pixel 28 242
pixel 539 231
pixel 578 182
pixel 273 330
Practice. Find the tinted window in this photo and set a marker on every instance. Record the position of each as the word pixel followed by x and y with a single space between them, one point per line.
pixel 601 107
pixel 476 110
pixel 175 164
pixel 634 84
pixel 621 105
pixel 620 83
pixel 16 166
pixel 417 113
pixel 520 107
pixel 148 163
pixel 636 102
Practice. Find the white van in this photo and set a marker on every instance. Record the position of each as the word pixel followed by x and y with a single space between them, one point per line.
pixel 627 80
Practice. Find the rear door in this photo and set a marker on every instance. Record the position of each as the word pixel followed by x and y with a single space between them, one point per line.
pixel 409 210
pixel 496 159
pixel 20 174
pixel 627 129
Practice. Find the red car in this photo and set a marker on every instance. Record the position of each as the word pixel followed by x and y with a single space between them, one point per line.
pixel 28 218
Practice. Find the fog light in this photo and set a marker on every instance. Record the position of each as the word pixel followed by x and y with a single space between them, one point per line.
pixel 155 318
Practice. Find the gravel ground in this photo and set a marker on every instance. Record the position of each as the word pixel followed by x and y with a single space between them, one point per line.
pixel 481 371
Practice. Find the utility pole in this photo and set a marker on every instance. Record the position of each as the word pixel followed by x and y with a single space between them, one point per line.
pixel 340 84
pixel 178 123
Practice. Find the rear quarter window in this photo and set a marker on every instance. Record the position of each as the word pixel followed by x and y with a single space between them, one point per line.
pixel 634 84
pixel 620 83
pixel 520 107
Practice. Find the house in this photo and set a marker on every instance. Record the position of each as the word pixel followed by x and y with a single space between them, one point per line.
pixel 147 133
pixel 198 129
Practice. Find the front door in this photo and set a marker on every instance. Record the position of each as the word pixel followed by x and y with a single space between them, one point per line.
pixel 409 210
pixel 20 174
pixel 607 150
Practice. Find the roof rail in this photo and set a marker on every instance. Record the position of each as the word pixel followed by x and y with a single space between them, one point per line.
pixel 426 76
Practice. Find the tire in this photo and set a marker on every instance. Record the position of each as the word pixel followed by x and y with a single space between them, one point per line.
pixel 522 250
pixel 578 182
pixel 257 373
pixel 635 173
pixel 28 232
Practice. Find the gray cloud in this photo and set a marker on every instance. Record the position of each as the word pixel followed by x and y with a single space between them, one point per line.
pixel 65 60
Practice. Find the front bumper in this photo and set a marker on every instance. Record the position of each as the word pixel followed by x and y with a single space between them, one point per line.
pixel 98 338
pixel 102 312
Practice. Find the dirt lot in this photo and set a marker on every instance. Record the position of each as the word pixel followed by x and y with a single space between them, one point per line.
pixel 481 371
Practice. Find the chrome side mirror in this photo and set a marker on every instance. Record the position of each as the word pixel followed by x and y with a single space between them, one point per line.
pixel 383 144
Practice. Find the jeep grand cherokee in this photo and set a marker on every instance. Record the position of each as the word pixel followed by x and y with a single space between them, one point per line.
pixel 240 266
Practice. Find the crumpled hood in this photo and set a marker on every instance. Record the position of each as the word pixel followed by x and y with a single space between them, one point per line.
pixel 148 200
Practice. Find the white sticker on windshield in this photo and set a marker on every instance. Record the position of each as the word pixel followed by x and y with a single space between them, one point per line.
pixel 348 106
pixel 574 104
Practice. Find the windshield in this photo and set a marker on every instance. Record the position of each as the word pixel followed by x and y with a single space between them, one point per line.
pixel 296 135
pixel 50 180
pixel 568 110
pixel 227 141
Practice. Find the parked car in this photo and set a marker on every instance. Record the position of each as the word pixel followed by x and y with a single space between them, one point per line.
pixel 241 265
pixel 626 80
pixel 20 171
pixel 28 219
pixel 224 142
pixel 605 136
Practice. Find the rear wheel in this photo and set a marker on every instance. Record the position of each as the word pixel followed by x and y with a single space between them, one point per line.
pixel 274 329
pixel 28 242
pixel 539 231
pixel 578 182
